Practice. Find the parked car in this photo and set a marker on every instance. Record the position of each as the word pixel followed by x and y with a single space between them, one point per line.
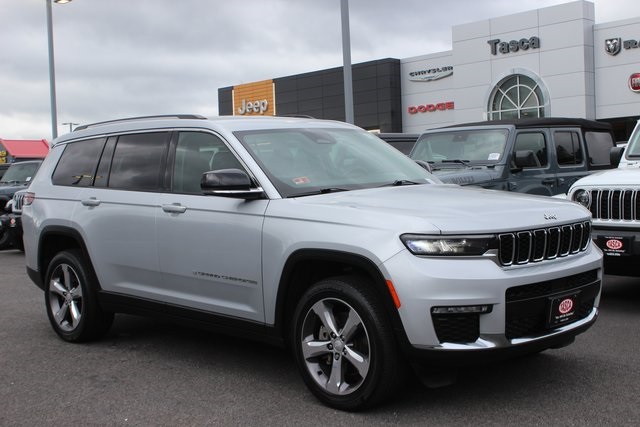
pixel 403 142
pixel 310 234
pixel 535 156
pixel 17 177
pixel 613 197
pixel 11 223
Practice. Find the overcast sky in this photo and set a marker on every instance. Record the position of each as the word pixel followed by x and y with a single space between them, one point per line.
pixel 119 58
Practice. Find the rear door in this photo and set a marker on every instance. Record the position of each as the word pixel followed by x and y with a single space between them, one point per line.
pixel 209 247
pixel 569 154
pixel 118 212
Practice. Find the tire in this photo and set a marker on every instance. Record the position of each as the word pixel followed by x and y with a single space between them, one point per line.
pixel 71 299
pixel 344 345
pixel 5 239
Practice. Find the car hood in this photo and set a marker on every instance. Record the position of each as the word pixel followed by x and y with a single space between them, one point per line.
pixel 465 176
pixel 431 208
pixel 612 177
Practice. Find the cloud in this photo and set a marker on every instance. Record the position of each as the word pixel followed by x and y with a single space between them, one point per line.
pixel 121 58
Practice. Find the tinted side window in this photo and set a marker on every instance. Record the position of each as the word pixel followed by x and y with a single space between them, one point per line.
pixel 78 163
pixel 102 174
pixel 599 146
pixel 196 153
pixel 139 161
pixel 535 142
pixel 568 150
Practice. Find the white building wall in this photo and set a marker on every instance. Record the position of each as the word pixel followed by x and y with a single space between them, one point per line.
pixel 563 65
pixel 613 95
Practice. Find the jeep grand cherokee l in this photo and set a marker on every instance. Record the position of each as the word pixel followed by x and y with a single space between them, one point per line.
pixel 307 233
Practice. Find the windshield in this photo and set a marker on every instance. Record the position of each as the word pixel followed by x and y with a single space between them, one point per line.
pixel 310 161
pixel 20 172
pixel 633 147
pixel 478 146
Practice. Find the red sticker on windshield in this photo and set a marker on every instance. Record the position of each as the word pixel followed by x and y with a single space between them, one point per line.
pixel 301 180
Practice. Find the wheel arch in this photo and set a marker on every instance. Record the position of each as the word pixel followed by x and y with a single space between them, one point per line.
pixel 305 267
pixel 55 239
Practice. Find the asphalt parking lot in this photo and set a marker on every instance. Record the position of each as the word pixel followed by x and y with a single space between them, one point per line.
pixel 149 373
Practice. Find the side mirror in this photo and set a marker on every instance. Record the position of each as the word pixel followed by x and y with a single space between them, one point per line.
pixel 233 183
pixel 615 155
pixel 424 165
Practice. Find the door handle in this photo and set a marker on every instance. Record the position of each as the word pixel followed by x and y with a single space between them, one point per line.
pixel 91 202
pixel 549 181
pixel 174 208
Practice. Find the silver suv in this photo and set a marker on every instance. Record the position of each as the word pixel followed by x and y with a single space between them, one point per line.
pixel 311 234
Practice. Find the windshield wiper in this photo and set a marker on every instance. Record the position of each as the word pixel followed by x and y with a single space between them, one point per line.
pixel 458 161
pixel 400 182
pixel 320 191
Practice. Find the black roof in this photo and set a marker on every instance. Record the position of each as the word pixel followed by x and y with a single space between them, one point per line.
pixel 540 122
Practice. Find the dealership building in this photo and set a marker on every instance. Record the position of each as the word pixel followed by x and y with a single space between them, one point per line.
pixel 549 62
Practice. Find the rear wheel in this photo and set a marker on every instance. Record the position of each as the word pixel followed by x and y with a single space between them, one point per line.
pixel 71 299
pixel 343 344
pixel 5 239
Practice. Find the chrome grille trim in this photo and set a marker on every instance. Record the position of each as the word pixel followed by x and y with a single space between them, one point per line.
pixel 615 204
pixel 523 247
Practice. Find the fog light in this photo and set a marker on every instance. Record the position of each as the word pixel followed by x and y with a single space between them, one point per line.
pixel 462 309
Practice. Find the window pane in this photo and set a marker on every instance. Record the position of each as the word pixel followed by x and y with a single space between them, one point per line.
pixel 535 142
pixel 599 145
pixel 568 149
pixel 78 163
pixel 138 161
pixel 197 153
pixel 515 97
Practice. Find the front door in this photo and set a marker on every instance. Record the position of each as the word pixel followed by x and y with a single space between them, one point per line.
pixel 209 247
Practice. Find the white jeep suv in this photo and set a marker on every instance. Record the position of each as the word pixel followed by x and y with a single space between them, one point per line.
pixel 613 197
pixel 312 234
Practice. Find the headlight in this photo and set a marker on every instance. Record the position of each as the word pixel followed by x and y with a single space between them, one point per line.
pixel 583 197
pixel 448 245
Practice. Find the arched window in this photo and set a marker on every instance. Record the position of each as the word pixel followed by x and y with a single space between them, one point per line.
pixel 516 96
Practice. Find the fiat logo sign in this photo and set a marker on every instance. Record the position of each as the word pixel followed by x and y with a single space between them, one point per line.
pixel 565 306
pixel 634 82
pixel 614 244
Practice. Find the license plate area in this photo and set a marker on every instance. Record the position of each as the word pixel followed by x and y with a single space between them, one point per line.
pixel 563 309
pixel 615 245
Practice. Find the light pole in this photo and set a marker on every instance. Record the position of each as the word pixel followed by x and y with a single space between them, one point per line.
pixel 71 125
pixel 346 59
pixel 52 72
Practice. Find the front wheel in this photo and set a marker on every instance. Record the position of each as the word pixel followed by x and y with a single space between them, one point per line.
pixel 71 299
pixel 344 345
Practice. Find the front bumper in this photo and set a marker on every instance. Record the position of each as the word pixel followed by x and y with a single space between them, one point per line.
pixel 621 249
pixel 520 300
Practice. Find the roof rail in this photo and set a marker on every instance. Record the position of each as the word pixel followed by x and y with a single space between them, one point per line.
pixel 132 119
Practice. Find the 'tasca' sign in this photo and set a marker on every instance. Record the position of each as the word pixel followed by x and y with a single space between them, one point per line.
pixel 513 45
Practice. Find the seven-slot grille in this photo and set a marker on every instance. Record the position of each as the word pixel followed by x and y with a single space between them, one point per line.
pixel 17 201
pixel 615 204
pixel 523 247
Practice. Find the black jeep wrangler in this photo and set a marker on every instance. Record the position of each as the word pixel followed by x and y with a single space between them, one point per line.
pixel 537 156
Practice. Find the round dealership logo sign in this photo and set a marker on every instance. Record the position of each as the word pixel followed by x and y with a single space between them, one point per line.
pixel 565 306
pixel 614 244
pixel 634 82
